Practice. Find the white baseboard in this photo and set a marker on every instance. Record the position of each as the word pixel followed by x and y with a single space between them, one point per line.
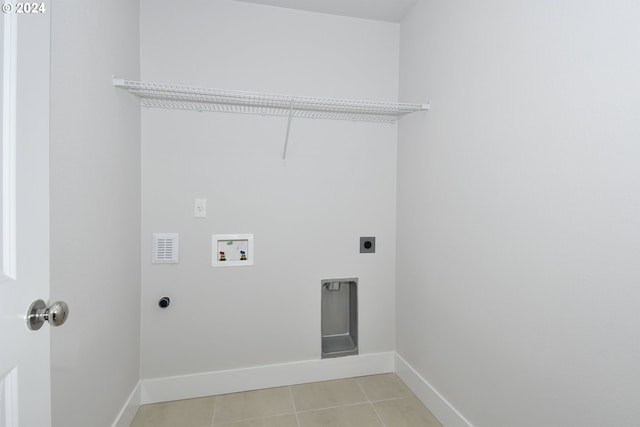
pixel 128 411
pixel 437 404
pixel 234 380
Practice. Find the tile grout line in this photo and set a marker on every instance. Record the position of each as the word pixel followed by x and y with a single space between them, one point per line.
pixel 295 410
pixel 215 408
pixel 391 398
pixel 224 423
pixel 254 419
pixel 378 415
pixel 346 405
pixel 371 403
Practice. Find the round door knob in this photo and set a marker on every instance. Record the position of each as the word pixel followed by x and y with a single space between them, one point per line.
pixel 56 314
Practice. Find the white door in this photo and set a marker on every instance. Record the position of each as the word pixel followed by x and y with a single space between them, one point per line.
pixel 24 258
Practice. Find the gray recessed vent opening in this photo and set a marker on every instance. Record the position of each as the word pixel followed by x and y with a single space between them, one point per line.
pixel 339 317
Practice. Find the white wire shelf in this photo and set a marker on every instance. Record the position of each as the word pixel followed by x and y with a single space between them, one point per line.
pixel 160 95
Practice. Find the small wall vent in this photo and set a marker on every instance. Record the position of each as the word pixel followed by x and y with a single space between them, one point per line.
pixel 165 248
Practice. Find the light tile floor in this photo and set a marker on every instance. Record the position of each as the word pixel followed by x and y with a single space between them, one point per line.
pixel 373 401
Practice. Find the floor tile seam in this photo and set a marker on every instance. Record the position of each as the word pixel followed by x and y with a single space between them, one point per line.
pixel 362 389
pixel 215 409
pixel 375 411
pixel 392 398
pixel 295 410
pixel 254 418
pixel 306 411
pixel 378 415
pixel 381 400
pixel 337 405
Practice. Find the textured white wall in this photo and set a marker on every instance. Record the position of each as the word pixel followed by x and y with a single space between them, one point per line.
pixel 519 209
pixel 307 213
pixel 95 210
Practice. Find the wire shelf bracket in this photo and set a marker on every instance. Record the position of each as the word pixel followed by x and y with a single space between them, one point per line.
pixel 161 95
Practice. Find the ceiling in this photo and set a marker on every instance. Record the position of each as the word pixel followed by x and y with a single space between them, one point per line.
pixel 380 10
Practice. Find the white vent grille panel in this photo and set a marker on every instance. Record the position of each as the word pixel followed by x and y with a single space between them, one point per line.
pixel 165 248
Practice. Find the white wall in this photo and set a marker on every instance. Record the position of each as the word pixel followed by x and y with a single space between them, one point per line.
pixel 519 209
pixel 95 210
pixel 307 213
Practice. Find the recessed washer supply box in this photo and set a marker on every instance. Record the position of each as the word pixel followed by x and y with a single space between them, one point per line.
pixel 232 250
